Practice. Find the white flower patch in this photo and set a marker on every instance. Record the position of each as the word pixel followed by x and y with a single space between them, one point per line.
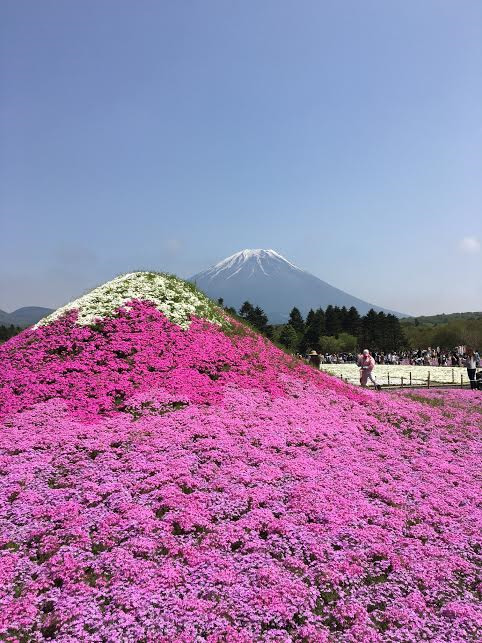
pixel 177 299
pixel 388 373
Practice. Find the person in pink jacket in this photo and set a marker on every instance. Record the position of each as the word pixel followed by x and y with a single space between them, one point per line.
pixel 367 364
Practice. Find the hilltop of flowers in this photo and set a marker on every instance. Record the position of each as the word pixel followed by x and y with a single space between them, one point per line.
pixel 166 474
pixel 178 300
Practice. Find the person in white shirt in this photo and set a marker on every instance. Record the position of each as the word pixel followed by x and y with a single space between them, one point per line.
pixel 471 363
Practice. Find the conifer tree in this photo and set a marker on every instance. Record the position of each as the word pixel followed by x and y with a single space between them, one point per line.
pixel 256 317
pixel 259 319
pixel 289 337
pixel 352 324
pixel 296 320
pixel 332 320
pixel 395 337
pixel 368 331
pixel 309 317
pixel 6 332
pixel 311 338
pixel 343 318
pixel 246 310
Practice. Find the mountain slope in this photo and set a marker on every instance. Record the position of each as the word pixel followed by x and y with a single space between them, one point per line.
pixel 25 316
pixel 166 474
pixel 267 279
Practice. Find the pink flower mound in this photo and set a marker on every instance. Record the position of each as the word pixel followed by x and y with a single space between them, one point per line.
pixel 160 484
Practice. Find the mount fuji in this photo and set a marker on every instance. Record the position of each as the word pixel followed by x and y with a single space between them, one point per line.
pixel 269 280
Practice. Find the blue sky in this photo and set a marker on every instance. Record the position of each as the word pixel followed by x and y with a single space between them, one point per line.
pixel 168 135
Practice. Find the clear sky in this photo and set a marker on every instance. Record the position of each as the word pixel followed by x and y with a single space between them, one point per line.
pixel 162 134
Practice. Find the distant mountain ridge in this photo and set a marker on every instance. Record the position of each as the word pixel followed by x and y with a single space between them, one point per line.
pixel 269 280
pixel 442 318
pixel 25 316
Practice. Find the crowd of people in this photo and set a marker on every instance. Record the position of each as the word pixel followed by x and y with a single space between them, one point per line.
pixel 316 359
pixel 436 357
pixel 427 357
pixel 464 356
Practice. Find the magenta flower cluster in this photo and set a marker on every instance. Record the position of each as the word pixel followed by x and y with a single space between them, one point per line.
pixel 160 484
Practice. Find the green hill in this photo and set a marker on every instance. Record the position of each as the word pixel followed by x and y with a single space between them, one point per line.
pixel 443 318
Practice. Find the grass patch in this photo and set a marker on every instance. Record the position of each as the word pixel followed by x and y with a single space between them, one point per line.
pixel 431 401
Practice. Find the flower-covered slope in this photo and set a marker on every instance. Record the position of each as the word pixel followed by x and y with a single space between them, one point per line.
pixel 168 483
pixel 177 299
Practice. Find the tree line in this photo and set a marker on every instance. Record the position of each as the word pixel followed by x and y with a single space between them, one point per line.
pixel 454 332
pixel 340 329
pixel 254 315
pixel 333 330
pixel 6 332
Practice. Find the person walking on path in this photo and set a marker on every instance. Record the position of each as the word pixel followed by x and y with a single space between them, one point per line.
pixel 471 362
pixel 367 364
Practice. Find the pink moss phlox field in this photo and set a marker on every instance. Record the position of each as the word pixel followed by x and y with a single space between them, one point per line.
pixel 160 484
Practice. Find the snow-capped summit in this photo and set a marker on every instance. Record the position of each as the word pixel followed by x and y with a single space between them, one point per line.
pixel 251 262
pixel 269 280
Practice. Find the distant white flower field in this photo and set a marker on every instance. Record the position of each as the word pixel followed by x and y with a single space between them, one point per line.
pixel 386 373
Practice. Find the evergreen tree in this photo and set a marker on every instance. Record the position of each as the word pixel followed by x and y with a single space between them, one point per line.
pixel 259 319
pixel 394 334
pixel 381 332
pixel 311 338
pixel 332 320
pixel 269 331
pixel 246 310
pixel 352 322
pixel 6 332
pixel 256 317
pixel 368 331
pixel 338 320
pixel 289 337
pixel 344 318
pixel 320 320
pixel 375 331
pixel 309 317
pixel 296 321
pixel 381 339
